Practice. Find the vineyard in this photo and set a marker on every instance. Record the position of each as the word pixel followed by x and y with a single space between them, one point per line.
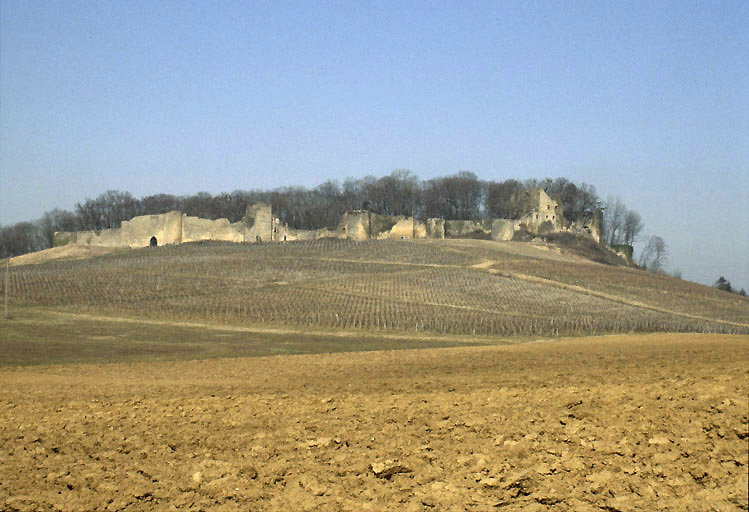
pixel 476 288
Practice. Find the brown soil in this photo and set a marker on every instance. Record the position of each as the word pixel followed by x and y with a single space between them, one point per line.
pixel 654 422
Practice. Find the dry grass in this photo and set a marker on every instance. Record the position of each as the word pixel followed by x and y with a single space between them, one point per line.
pixel 38 336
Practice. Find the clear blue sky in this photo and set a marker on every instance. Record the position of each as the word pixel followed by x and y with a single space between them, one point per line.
pixel 645 100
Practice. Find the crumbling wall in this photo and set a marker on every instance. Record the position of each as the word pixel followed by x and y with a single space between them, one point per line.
pixel 435 228
pixel 195 229
pixel 101 237
pixel 283 233
pixel 467 228
pixel 365 225
pixel 381 225
pixel 420 229
pixel 355 225
pixel 399 227
pixel 503 229
pixel 258 223
pixel 403 228
pixel 137 232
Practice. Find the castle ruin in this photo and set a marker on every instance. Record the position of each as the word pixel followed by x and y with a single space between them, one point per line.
pixel 259 225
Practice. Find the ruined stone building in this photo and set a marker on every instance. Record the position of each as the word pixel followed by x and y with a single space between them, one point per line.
pixel 175 228
pixel 259 225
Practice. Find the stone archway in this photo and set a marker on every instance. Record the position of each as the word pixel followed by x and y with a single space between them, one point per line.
pixel 154 242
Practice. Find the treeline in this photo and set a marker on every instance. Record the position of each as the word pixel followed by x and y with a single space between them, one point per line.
pixel 462 196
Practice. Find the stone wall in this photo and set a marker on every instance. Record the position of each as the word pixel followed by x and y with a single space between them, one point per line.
pixel 259 225
pixel 467 228
pixel 100 237
pixel 174 228
pixel 364 225
pixel 420 229
pixel 503 229
pixel 283 233
pixel 195 229
pixel 355 225
pixel 402 229
pixel 435 228
pixel 137 232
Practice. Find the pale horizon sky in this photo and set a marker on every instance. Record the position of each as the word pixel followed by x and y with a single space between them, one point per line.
pixel 648 101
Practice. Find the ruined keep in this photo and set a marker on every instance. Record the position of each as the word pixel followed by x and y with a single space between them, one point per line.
pixel 546 217
pixel 259 225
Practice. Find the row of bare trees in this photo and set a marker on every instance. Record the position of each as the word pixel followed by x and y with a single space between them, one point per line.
pixel 620 224
pixel 461 196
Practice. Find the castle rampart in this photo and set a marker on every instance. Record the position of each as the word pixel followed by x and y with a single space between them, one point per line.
pixel 259 225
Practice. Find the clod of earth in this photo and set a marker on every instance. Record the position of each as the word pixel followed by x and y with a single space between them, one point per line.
pixel 386 470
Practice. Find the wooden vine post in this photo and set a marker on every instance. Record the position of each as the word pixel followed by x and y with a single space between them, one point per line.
pixel 7 285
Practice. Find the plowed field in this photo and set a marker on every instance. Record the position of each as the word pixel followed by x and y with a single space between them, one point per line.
pixel 652 422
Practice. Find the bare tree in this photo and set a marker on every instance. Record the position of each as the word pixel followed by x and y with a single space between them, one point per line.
pixel 108 210
pixel 21 238
pixel 613 220
pixel 653 256
pixel 457 197
pixel 403 192
pixel 54 221
pixel 632 226
pixel 353 194
pixel 118 207
pixel 90 214
pixel 505 200
pixel 159 203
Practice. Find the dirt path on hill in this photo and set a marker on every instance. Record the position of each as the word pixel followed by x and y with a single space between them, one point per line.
pixel 486 264
pixel 602 295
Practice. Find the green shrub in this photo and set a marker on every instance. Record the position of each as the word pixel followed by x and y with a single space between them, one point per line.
pixel 61 239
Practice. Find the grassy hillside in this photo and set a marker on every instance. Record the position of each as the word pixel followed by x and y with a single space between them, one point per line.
pixel 456 287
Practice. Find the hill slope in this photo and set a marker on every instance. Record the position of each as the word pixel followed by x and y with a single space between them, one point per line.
pixel 452 286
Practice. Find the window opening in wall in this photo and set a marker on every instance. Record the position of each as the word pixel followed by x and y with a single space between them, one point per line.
pixel 153 242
